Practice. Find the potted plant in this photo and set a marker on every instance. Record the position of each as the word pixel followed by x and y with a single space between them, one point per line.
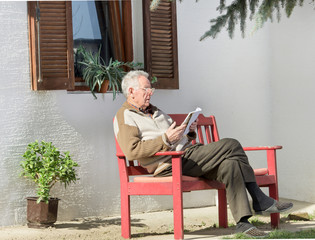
pixel 97 74
pixel 45 166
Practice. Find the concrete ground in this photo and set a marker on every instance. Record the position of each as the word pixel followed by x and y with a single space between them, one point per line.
pixel 199 224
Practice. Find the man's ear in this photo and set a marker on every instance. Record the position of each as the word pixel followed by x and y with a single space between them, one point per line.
pixel 130 91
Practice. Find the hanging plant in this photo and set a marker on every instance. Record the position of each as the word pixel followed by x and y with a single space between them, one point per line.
pixel 95 71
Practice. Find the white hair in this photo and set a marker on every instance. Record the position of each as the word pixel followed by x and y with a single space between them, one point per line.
pixel 131 80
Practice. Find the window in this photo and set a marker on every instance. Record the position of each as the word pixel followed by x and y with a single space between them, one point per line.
pixel 53 37
pixel 91 27
pixel 101 25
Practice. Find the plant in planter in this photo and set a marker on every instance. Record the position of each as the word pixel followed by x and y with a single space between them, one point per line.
pixel 45 165
pixel 96 72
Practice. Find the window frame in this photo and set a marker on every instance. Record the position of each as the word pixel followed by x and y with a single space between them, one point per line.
pixel 69 82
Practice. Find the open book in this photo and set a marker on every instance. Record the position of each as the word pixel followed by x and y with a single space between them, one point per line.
pixel 191 117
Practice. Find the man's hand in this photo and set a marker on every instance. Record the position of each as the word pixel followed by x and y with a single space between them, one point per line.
pixel 174 133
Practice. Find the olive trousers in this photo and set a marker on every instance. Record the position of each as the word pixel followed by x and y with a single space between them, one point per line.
pixel 226 162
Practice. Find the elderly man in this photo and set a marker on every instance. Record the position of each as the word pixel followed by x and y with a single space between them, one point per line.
pixel 143 129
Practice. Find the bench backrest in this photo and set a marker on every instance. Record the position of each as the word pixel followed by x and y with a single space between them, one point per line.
pixel 207 132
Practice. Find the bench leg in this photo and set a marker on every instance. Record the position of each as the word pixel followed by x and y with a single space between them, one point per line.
pixel 274 217
pixel 125 216
pixel 178 215
pixel 223 220
pixel 275 220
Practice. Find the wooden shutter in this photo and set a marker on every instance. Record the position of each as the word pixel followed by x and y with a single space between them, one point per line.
pixel 160 43
pixel 127 30
pixel 51 45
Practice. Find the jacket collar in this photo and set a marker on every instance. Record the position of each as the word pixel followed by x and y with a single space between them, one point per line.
pixel 149 110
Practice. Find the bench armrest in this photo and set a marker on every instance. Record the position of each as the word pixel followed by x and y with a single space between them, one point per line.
pixel 262 148
pixel 271 157
pixel 170 153
pixel 176 167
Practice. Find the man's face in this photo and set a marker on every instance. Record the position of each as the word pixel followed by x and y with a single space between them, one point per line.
pixel 142 96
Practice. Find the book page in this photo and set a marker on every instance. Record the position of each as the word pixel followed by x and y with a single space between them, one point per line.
pixel 191 117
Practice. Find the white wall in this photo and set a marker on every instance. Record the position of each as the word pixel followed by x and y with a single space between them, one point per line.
pixel 239 81
pixel 293 110
pixel 227 78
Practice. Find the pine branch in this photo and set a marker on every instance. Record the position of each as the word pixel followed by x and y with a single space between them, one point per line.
pixel 234 12
pixel 243 15
pixel 252 7
pixel 237 11
pixel 221 6
pixel 290 4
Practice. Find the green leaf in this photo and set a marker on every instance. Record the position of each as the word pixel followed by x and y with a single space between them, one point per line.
pixel 45 165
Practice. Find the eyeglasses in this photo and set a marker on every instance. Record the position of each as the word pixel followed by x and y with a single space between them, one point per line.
pixel 148 90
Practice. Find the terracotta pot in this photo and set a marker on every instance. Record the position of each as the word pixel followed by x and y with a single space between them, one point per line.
pixel 104 87
pixel 41 215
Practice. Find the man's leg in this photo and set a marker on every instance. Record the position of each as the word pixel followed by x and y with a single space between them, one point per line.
pixel 226 162
pixel 204 160
pixel 230 174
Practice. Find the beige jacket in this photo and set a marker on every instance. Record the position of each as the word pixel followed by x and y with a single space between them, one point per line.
pixel 142 135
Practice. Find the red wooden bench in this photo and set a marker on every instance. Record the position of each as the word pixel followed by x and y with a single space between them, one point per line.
pixel 177 184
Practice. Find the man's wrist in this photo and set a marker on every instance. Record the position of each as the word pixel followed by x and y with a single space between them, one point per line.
pixel 166 140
